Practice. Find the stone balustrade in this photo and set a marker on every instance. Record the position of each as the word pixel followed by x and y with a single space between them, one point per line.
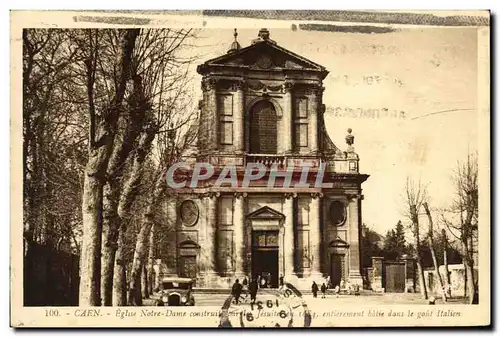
pixel 267 159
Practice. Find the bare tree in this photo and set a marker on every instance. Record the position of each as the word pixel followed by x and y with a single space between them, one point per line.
pixel 433 252
pixel 164 94
pixel 53 140
pixel 134 122
pixel 171 149
pixel 95 103
pixel 102 132
pixel 462 217
pixel 444 238
pixel 415 196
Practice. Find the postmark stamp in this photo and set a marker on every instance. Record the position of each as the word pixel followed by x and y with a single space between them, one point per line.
pixel 284 307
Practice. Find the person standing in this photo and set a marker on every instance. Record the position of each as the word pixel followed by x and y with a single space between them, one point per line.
pixel 262 282
pixel 253 287
pixel 236 291
pixel 323 290
pixel 282 281
pixel 337 290
pixel 314 289
pixel 245 288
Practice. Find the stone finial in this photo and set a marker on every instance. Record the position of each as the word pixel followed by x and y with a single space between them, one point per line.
pixel 263 36
pixel 235 46
pixel 349 139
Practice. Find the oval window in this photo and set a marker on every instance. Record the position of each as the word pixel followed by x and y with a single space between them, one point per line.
pixel 337 213
pixel 189 213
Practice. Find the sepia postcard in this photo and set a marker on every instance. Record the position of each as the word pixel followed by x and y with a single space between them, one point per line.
pixel 250 168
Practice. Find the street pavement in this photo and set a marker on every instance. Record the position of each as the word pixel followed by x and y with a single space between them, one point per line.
pixel 217 299
pixel 342 310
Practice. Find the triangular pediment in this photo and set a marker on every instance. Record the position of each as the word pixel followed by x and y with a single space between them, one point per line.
pixel 338 242
pixel 264 55
pixel 189 243
pixel 266 213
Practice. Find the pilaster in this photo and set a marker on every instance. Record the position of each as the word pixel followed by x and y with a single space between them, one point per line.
pixel 239 116
pixel 288 248
pixel 209 270
pixel 287 117
pixel 239 234
pixel 315 234
pixel 354 255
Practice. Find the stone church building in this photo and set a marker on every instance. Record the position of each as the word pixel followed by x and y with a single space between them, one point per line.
pixel 263 103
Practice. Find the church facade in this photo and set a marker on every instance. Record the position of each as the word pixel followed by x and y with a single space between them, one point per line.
pixel 263 104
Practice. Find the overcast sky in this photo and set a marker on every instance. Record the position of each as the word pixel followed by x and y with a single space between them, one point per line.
pixel 429 74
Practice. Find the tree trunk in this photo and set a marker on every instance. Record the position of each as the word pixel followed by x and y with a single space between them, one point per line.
pixel 120 273
pixel 127 198
pixel 433 252
pixel 418 259
pixel 469 271
pixel 151 261
pixel 132 124
pixel 421 278
pixel 106 269
pixel 141 247
pixel 466 279
pixel 101 139
pixel 90 265
pixel 138 262
pixel 445 262
pixel 109 239
pixel 144 282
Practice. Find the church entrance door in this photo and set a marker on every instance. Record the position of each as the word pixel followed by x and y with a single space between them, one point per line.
pixel 265 252
pixel 265 265
pixel 336 269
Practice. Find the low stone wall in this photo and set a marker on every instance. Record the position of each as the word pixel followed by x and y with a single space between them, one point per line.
pixel 457 279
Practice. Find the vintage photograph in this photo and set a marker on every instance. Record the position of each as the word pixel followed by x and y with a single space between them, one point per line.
pixel 250 168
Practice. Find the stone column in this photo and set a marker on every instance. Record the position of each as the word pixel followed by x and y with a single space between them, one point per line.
pixel 239 117
pixel 239 234
pixel 409 273
pixel 289 237
pixel 287 134
pixel 315 234
pixel 210 239
pixel 354 256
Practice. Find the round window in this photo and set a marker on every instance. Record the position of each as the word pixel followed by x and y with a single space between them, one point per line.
pixel 337 213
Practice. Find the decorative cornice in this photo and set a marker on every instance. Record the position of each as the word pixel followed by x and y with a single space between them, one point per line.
pixel 209 195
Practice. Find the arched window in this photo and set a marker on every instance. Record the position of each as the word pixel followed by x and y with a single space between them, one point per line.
pixel 263 128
